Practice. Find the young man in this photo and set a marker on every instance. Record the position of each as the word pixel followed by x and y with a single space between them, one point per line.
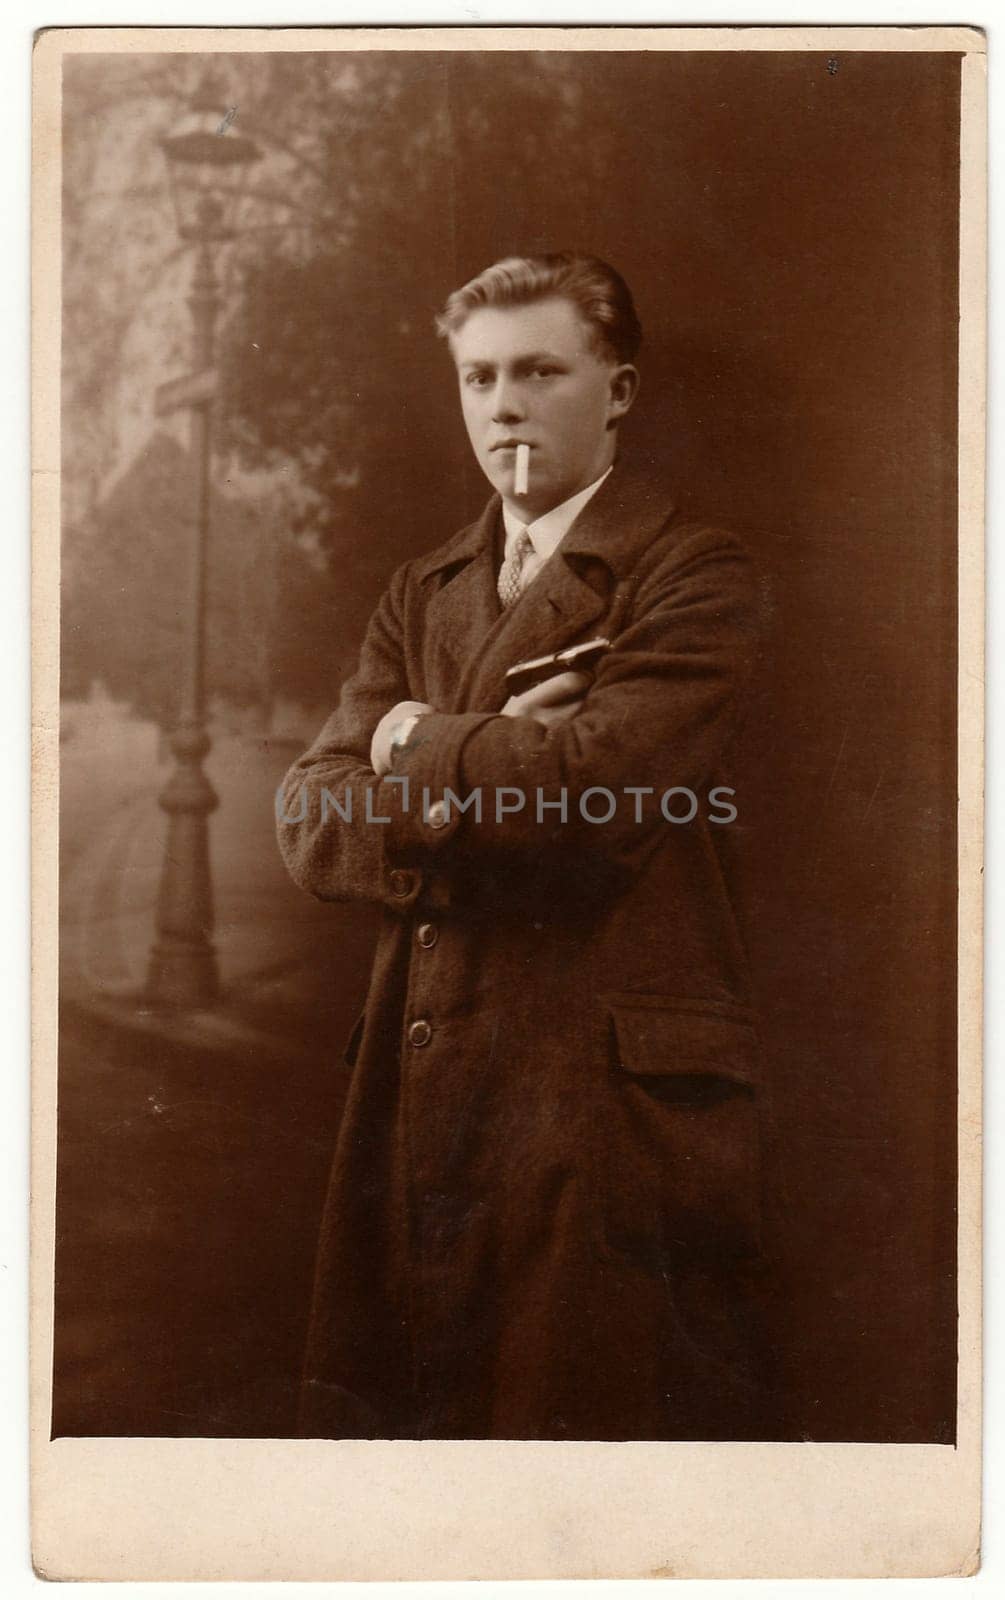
pixel 543 1212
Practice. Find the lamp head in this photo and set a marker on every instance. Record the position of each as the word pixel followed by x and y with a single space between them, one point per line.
pixel 208 164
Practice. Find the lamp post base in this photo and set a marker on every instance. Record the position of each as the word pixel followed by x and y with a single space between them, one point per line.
pixel 183 973
pixel 182 977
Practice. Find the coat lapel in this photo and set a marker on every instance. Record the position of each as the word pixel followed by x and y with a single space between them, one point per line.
pixel 462 612
pixel 557 609
pixel 470 642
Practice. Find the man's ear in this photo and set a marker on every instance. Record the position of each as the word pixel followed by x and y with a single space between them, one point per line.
pixel 624 381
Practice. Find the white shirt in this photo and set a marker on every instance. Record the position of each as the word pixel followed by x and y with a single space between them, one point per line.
pixel 547 533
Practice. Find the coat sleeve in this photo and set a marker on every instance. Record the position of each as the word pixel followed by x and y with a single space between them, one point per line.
pixel 660 714
pixel 333 815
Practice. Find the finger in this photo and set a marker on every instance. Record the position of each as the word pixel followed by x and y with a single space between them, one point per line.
pixel 566 686
pixel 550 716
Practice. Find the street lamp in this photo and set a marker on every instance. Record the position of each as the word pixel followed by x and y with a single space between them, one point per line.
pixel 208 164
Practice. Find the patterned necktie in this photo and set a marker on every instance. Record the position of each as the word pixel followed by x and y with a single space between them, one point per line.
pixel 511 571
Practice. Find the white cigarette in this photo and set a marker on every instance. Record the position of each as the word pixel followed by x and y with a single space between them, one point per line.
pixel 522 468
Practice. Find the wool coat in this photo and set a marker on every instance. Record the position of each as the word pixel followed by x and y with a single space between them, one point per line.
pixel 544 1207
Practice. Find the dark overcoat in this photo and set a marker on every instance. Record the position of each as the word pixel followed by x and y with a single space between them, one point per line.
pixel 544 1203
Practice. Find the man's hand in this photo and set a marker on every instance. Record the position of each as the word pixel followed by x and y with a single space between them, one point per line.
pixel 380 744
pixel 549 703
pixel 552 702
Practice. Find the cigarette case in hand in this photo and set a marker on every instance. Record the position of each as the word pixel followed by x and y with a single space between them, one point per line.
pixel 577 658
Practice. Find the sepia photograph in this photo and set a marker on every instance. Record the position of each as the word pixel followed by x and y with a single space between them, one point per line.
pixel 506 545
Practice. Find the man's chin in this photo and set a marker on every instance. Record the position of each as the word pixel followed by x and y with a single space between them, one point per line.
pixel 500 479
pixel 504 483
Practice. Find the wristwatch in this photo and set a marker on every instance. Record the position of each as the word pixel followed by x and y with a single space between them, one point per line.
pixel 402 732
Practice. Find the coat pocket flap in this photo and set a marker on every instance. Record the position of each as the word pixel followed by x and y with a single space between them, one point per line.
pixel 666 1042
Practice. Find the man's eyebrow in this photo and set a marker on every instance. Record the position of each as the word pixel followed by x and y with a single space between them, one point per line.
pixel 527 359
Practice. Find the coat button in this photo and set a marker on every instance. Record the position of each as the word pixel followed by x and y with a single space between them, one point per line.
pixel 401 883
pixel 420 1033
pixel 437 816
pixel 427 934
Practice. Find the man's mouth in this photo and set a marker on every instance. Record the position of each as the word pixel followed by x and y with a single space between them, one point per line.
pixel 510 444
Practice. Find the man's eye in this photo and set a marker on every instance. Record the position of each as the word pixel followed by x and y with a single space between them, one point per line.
pixel 545 372
pixel 477 380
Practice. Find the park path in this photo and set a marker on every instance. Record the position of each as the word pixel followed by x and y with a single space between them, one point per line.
pixel 192 1155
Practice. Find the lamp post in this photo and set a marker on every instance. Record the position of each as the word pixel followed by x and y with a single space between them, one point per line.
pixel 208 163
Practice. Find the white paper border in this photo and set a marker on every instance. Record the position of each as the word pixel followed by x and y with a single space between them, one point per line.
pixel 204 1509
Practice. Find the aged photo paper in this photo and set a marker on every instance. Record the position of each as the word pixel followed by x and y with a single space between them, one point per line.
pixel 507 802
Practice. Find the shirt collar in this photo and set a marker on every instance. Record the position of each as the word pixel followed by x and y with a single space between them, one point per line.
pixel 547 533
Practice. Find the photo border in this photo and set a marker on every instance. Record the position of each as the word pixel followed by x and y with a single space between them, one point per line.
pixel 192 1509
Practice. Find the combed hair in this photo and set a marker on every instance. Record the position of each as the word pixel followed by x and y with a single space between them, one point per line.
pixel 600 294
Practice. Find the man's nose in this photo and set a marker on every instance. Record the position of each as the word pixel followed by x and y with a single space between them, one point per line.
pixel 507 405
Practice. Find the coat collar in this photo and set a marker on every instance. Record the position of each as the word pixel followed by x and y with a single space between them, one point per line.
pixel 628 509
pixel 477 642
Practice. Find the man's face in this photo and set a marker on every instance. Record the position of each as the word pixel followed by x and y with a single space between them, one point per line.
pixel 530 375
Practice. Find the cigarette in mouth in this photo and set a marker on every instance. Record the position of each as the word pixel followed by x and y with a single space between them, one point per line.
pixel 522 468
